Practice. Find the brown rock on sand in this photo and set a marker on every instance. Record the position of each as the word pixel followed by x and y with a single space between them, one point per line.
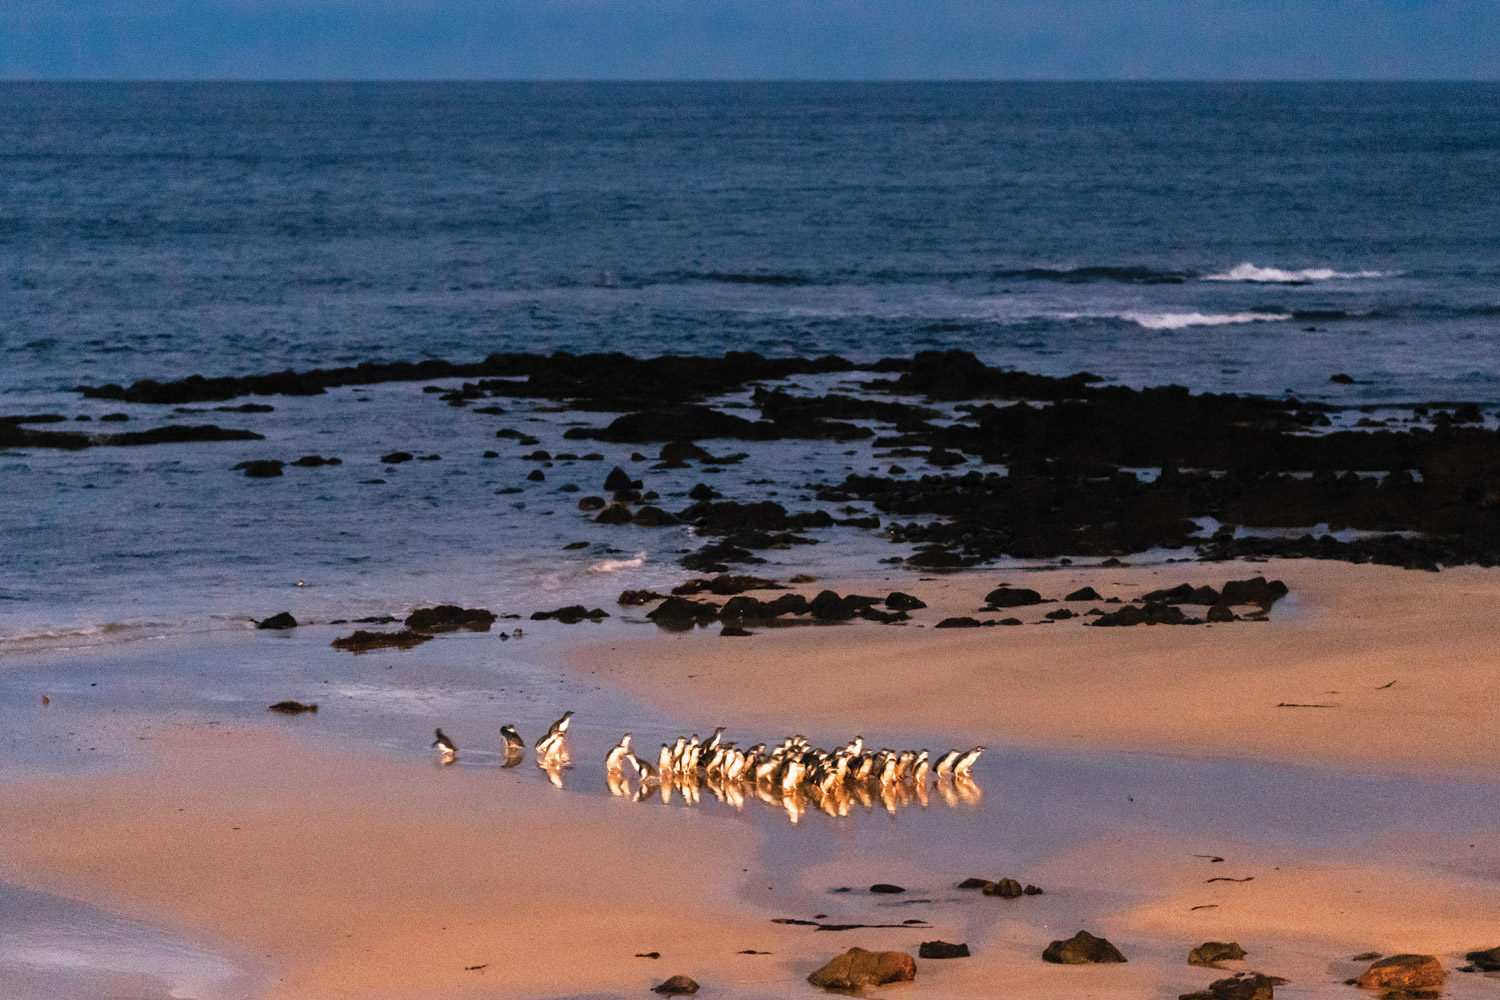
pixel 1211 953
pixel 1403 972
pixel 677 986
pixel 1081 949
pixel 1244 986
pixel 857 968
pixel 1485 961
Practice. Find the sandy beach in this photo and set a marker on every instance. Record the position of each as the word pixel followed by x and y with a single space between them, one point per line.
pixel 1122 762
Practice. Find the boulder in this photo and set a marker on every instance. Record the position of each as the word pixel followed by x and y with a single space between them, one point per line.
pixel 1012 597
pixel 619 479
pixel 652 517
pixel 1081 949
pixel 1220 612
pixel 293 707
pixel 960 622
pixel 886 887
pixel 591 503
pixel 1146 614
pixel 447 617
pixel 636 598
pixel 313 461
pixel 829 606
pixel 681 613
pixel 1183 593
pixel 261 468
pixel 1254 591
pixel 677 986
pixel 942 949
pixel 1086 594
pixel 857 968
pixel 1211 953
pixel 362 641
pixel 1403 972
pixel 278 621
pixel 396 457
pixel 615 513
pixel 1243 986
pixel 571 615
pixel 897 601
pixel 1485 961
pixel 973 883
pixel 1005 888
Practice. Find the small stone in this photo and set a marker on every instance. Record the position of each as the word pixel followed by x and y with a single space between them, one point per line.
pixel 735 631
pixel 396 457
pixel 898 601
pixel 886 887
pixel 857 968
pixel 261 468
pixel 1210 953
pixel 960 622
pixel 292 707
pixel 942 949
pixel 1031 890
pixel 1081 949
pixel 677 986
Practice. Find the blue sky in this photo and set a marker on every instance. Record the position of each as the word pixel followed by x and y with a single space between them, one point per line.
pixel 750 39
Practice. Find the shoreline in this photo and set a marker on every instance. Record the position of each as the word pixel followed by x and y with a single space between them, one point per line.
pixel 332 849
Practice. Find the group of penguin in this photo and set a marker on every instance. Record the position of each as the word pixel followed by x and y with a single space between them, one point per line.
pixel 790 771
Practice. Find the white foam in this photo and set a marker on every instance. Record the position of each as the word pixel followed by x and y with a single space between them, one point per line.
pixel 1176 321
pixel 1276 276
pixel 615 565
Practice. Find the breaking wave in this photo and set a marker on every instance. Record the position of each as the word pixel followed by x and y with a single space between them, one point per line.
pixel 1276 276
pixel 615 565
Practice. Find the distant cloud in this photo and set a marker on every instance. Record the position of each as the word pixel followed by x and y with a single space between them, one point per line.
pixel 761 39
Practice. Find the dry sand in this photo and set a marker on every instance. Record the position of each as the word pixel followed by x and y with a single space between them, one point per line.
pixel 354 877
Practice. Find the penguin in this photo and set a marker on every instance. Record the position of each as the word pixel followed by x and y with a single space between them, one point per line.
pixel 513 742
pixel 889 771
pixel 616 759
pixel 644 769
pixel 550 748
pixel 945 763
pixel 556 729
pixel 962 765
pixel 448 748
pixel 919 769
pixel 664 763
pixel 714 740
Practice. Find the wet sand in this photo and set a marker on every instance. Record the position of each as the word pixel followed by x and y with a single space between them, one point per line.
pixel 1338 642
pixel 342 862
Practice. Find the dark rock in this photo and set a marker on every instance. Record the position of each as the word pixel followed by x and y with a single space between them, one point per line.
pixel 615 513
pixel 1005 888
pixel 680 613
pixel 886 887
pixel 1031 890
pixel 591 503
pixel 635 598
pixel 1146 614
pixel 1403 972
pixel 897 601
pixel 1086 594
pixel 703 491
pixel 677 986
pixel 396 457
pixel 293 707
pixel 447 617
pixel 1184 593
pixel 115 417
pixel 829 606
pixel 1211 953
pixel 973 883
pixel 619 479
pixel 1485 961
pixel 961 622
pixel 1012 597
pixel 734 631
pixel 1254 591
pixel 490 454
pixel 652 517
pixel 575 546
pixel 1342 378
pixel 857 969
pixel 571 615
pixel 679 453
pixel 1009 621
pixel 725 585
pixel 942 949
pixel 278 621
pixel 313 461
pixel 1081 949
pixel 1242 986
pixel 1221 613
pixel 1061 615
pixel 536 476
pixel 362 641
pixel 261 468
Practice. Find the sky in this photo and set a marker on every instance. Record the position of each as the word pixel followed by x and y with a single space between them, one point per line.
pixel 750 39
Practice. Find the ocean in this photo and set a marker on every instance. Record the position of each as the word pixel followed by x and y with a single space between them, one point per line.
pixel 1227 237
